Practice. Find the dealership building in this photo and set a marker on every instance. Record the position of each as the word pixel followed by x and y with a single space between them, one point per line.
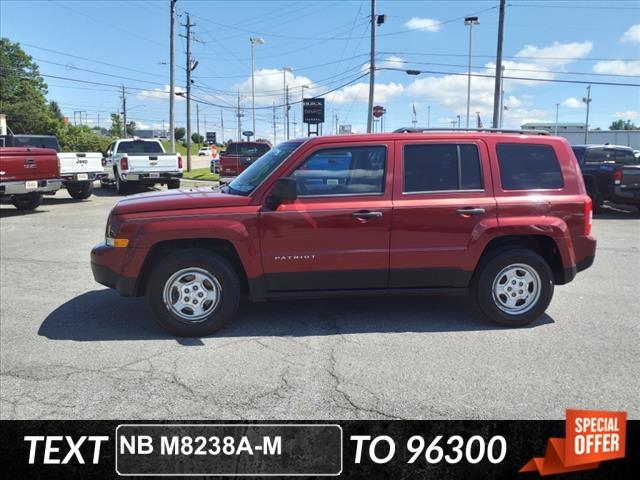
pixel 575 133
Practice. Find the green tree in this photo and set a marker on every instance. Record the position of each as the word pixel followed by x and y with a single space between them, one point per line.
pixel 179 133
pixel 22 93
pixel 81 139
pixel 196 138
pixel 623 125
pixel 131 128
pixel 116 125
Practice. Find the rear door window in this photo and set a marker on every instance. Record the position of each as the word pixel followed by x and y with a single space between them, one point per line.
pixel 626 157
pixel 441 167
pixel 528 167
pixel 600 155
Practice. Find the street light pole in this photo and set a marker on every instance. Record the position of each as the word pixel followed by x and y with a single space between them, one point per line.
pixel 555 128
pixel 254 41
pixel 470 22
pixel 172 88
pixel 372 66
pixel 285 97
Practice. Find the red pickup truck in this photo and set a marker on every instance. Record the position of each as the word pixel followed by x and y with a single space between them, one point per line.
pixel 239 155
pixel 504 216
pixel 28 173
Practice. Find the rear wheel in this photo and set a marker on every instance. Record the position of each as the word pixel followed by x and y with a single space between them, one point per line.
pixel 121 187
pixel 81 190
pixel 514 287
pixel 28 201
pixel 193 292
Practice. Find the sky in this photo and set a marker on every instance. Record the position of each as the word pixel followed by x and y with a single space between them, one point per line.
pixel 94 47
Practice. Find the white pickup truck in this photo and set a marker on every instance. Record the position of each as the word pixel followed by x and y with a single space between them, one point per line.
pixel 77 170
pixel 144 162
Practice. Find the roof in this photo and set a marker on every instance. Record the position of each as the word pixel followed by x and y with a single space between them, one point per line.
pixel 602 145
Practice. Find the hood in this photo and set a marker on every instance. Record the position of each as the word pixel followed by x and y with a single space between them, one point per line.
pixel 183 199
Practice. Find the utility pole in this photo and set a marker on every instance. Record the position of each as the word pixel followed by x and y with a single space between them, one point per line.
pixel 239 114
pixel 172 86
pixel 286 98
pixel 501 98
pixel 372 66
pixel 124 112
pixel 274 123
pixel 497 93
pixel 587 100
pixel 470 22
pixel 555 128
pixel 222 125
pixel 205 124
pixel 428 116
pixel 190 66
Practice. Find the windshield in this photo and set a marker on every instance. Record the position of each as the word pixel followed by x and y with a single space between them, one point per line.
pixel 253 176
pixel 139 147
pixel 247 149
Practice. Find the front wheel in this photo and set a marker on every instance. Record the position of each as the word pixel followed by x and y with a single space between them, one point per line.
pixel 28 201
pixel 514 287
pixel 193 292
pixel 81 190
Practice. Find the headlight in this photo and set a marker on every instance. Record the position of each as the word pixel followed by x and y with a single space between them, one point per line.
pixel 114 224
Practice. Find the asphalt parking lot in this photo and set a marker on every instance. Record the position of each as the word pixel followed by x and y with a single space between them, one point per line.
pixel 71 349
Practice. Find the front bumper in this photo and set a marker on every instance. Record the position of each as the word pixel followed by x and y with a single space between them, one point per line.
pixel 104 275
pixel 21 188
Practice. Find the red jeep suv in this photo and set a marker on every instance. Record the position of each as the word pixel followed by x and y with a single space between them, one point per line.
pixel 502 215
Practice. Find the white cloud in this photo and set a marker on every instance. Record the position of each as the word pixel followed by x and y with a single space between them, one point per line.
pixel 423 24
pixel 159 94
pixel 628 115
pixel 632 35
pixel 572 102
pixel 359 92
pixel 269 84
pixel 557 54
pixel 618 67
pixel 389 62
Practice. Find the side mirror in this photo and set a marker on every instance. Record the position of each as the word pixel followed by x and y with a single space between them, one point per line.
pixel 285 188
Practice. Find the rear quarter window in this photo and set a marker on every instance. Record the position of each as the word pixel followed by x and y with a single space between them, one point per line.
pixel 528 167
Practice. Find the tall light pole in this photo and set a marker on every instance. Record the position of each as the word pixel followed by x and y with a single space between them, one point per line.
pixel 428 116
pixel 254 41
pixel 470 22
pixel 497 93
pixel 372 66
pixel 587 100
pixel 555 128
pixel 285 96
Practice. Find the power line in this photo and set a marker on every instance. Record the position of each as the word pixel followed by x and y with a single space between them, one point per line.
pixel 573 7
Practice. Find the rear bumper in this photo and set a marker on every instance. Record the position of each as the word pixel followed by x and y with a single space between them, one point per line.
pixel 150 178
pixel 79 177
pixel 626 195
pixel 20 188
pixel 103 274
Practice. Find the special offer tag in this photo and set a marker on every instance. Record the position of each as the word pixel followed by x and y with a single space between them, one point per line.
pixel 592 436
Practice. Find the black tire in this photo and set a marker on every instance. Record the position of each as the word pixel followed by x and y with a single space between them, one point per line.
pixel 483 282
pixel 28 201
pixel 173 184
pixel 81 190
pixel 215 265
pixel 596 201
pixel 121 187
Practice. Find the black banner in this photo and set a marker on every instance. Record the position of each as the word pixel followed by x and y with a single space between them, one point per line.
pixel 313 110
pixel 355 449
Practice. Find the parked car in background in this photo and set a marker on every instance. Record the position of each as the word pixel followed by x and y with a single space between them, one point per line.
pixel 134 161
pixel 504 216
pixel 204 152
pixel 239 155
pixel 610 172
pixel 78 170
pixel 28 173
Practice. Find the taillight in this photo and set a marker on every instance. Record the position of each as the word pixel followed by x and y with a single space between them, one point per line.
pixel 104 162
pixel 588 214
pixel 617 177
pixel 124 163
pixel 179 161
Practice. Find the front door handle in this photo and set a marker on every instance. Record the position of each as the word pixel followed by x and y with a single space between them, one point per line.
pixel 366 215
pixel 470 211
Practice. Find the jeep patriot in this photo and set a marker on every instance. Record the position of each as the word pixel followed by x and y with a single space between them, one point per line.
pixel 504 216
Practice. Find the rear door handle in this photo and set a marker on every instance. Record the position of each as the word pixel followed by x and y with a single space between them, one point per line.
pixel 366 215
pixel 470 211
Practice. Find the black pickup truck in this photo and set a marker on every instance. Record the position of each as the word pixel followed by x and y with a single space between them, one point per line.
pixel 610 172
